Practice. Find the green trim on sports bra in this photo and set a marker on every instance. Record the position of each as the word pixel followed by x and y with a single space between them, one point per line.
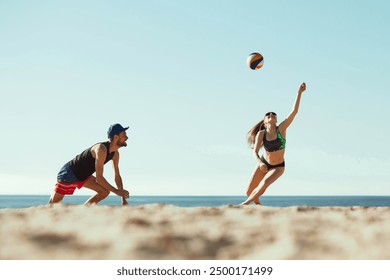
pixel 283 146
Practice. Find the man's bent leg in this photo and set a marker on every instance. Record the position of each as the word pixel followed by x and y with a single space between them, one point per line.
pixel 55 198
pixel 101 193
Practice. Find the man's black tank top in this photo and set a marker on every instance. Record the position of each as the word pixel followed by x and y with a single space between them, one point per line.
pixel 83 165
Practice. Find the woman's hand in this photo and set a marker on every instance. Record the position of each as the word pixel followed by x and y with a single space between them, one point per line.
pixel 263 167
pixel 302 88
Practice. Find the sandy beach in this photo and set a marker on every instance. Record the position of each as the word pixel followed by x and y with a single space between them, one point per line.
pixel 159 231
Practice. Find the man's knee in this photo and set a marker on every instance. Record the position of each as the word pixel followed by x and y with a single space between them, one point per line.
pixel 104 193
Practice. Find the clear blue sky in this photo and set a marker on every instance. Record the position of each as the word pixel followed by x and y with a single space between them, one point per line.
pixel 176 73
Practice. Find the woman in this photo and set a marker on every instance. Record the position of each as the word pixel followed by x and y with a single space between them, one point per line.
pixel 273 138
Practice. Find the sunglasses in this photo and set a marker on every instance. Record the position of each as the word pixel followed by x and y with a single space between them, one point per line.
pixel 269 113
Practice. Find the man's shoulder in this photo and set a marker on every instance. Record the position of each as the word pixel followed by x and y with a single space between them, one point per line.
pixel 99 147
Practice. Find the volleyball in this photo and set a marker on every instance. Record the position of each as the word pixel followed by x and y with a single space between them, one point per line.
pixel 255 61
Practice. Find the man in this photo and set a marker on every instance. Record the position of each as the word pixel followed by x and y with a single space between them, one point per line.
pixel 78 172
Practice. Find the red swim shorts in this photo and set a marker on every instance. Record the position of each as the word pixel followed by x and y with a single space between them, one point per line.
pixel 69 188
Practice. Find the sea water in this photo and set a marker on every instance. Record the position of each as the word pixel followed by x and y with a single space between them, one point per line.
pixel 24 201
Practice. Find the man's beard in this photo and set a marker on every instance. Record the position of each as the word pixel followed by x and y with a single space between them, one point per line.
pixel 122 144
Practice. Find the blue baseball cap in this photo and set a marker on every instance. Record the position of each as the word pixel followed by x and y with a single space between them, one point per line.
pixel 115 129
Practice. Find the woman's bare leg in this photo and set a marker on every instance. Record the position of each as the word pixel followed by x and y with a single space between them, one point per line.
pixel 257 176
pixel 270 177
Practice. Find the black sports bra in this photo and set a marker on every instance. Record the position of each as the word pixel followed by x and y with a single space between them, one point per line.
pixel 274 145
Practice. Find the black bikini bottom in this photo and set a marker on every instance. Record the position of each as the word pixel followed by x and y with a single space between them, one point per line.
pixel 270 166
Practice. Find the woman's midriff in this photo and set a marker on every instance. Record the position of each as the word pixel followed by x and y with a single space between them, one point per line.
pixel 274 158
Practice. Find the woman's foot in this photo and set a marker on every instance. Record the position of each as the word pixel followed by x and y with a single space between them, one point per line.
pixel 257 202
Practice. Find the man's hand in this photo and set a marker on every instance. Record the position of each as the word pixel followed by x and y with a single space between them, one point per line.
pixel 122 193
